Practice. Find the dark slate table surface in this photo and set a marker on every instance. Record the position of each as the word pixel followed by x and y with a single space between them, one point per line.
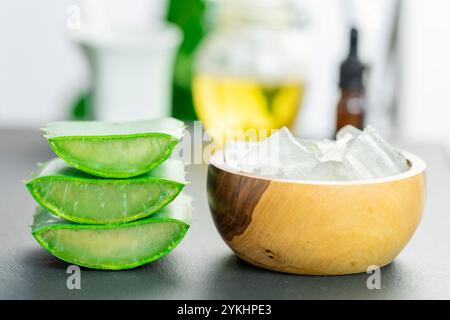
pixel 203 267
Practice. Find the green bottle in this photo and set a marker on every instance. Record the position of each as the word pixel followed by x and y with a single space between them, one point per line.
pixel 189 16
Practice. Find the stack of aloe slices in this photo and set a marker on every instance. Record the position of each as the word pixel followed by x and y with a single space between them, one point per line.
pixel 113 199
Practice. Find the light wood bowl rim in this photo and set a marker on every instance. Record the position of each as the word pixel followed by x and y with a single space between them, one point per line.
pixel 417 166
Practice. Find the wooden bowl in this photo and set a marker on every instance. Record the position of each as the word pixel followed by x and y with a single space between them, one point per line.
pixel 316 228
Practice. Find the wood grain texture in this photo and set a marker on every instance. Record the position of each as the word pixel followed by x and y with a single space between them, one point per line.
pixel 232 200
pixel 315 229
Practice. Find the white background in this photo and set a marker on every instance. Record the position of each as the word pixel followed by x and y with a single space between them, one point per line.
pixel 41 70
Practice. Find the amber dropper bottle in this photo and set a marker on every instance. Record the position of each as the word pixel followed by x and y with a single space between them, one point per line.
pixel 351 106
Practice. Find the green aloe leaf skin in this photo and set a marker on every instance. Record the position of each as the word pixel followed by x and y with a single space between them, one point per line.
pixel 117 246
pixel 114 150
pixel 79 197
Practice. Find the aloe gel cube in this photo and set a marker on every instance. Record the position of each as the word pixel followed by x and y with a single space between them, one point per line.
pixel 79 197
pixel 114 150
pixel 115 246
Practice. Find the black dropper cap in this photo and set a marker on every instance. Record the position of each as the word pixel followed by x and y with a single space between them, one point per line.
pixel 352 69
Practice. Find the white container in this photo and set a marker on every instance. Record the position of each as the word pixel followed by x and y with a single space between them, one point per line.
pixel 131 72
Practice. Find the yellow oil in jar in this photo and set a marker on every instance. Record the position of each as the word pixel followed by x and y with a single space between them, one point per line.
pixel 229 106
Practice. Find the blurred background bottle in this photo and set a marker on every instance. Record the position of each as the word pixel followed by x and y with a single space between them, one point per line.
pixel 188 15
pixel 130 49
pixel 351 105
pixel 250 70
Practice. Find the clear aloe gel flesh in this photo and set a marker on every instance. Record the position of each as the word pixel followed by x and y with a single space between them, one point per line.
pixel 83 198
pixel 117 246
pixel 114 150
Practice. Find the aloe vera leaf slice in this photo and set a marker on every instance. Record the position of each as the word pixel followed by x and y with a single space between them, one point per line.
pixel 114 150
pixel 83 198
pixel 116 246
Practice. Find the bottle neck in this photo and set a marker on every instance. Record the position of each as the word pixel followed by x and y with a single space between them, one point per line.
pixel 347 93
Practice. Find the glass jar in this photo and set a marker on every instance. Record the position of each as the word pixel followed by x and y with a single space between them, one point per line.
pixel 250 71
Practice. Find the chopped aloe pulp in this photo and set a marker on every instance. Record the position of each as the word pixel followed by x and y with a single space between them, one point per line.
pixel 83 198
pixel 117 246
pixel 114 150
